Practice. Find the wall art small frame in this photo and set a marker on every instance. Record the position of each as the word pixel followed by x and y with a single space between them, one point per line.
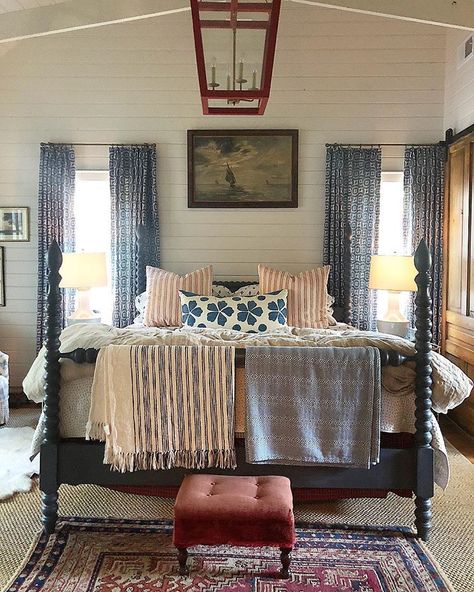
pixel 243 168
pixel 14 224
pixel 2 276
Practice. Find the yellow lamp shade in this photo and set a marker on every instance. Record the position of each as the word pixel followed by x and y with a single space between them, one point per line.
pixel 392 272
pixel 83 270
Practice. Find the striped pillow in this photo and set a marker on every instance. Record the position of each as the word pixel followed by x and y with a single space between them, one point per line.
pixel 307 294
pixel 163 308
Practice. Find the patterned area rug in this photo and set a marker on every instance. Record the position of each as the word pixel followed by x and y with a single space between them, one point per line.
pixel 109 555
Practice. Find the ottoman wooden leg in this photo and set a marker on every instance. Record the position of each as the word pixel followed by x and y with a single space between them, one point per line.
pixel 285 563
pixel 182 558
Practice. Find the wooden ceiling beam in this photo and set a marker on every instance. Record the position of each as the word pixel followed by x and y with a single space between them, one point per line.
pixel 457 14
pixel 82 14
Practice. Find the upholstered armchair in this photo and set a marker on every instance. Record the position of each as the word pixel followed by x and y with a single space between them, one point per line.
pixel 4 413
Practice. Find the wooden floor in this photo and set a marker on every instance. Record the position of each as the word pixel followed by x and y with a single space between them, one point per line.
pixel 457 437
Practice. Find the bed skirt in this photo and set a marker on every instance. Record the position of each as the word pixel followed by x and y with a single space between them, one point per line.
pixel 303 494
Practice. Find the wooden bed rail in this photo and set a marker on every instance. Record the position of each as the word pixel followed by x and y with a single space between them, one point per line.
pixel 54 461
pixel 89 356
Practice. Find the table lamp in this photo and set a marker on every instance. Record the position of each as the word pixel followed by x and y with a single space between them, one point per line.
pixel 395 274
pixel 83 271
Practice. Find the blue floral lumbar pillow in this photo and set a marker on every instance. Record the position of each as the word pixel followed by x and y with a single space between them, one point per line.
pixel 250 314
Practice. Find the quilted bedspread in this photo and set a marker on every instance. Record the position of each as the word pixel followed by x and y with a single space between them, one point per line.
pixel 450 385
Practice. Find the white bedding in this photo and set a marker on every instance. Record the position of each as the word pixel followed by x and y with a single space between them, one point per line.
pixel 450 385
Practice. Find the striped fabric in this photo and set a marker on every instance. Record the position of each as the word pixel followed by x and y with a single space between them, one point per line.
pixel 160 407
pixel 163 308
pixel 307 294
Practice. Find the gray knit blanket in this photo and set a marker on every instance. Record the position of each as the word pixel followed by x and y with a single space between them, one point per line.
pixel 313 406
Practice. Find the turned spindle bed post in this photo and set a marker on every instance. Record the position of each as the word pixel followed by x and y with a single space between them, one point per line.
pixel 49 481
pixel 347 304
pixel 424 453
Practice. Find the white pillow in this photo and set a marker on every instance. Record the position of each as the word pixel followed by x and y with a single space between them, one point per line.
pixel 223 291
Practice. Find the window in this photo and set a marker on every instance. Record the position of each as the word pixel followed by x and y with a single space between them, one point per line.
pixel 391 229
pixel 92 214
pixel 391 214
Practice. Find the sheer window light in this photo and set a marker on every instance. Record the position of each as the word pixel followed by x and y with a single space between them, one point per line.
pixel 391 214
pixel 92 213
pixel 391 228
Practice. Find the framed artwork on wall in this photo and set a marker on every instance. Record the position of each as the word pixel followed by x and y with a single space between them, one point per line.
pixel 2 276
pixel 243 168
pixel 15 224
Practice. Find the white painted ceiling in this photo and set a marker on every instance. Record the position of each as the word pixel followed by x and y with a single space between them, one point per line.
pixel 13 5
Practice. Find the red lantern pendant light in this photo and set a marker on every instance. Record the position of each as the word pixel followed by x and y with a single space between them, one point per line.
pixel 235 48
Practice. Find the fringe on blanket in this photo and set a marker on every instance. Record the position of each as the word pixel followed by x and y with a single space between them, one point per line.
pixel 97 431
pixel 187 459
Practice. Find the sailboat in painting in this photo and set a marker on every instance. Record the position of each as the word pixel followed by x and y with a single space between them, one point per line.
pixel 229 176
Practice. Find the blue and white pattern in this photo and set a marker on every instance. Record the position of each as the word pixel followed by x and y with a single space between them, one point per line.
pixel 134 201
pixel 352 195
pixel 55 221
pixel 423 217
pixel 249 314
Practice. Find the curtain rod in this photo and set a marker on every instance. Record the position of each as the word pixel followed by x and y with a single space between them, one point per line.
pixel 92 144
pixel 375 144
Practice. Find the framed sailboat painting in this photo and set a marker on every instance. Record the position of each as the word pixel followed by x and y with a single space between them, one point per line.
pixel 243 168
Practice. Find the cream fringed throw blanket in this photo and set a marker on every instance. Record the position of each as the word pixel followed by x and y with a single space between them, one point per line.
pixel 160 407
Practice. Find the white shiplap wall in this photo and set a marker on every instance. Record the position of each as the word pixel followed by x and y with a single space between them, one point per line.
pixel 459 105
pixel 338 77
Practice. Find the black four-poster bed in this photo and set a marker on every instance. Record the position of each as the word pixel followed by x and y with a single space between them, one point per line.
pixel 77 461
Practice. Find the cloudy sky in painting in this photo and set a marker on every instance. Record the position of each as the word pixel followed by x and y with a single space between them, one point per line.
pixel 255 161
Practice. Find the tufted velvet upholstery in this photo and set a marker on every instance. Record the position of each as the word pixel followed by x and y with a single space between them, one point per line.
pixel 242 511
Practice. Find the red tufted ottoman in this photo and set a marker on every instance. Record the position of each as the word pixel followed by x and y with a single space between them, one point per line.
pixel 228 510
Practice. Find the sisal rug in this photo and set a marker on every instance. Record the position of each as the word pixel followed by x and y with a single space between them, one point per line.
pixel 105 555
pixel 16 469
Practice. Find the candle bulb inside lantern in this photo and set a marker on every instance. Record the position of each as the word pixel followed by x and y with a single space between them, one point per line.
pixel 254 79
pixel 241 69
pixel 213 74
pixel 228 81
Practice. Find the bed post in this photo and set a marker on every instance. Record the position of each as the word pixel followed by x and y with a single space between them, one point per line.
pixel 49 481
pixel 347 304
pixel 424 452
pixel 141 263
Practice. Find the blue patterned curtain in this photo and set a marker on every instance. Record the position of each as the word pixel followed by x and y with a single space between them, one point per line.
pixel 352 195
pixel 134 201
pixel 55 221
pixel 423 214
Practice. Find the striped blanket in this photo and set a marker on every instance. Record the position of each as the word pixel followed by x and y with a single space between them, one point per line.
pixel 160 407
